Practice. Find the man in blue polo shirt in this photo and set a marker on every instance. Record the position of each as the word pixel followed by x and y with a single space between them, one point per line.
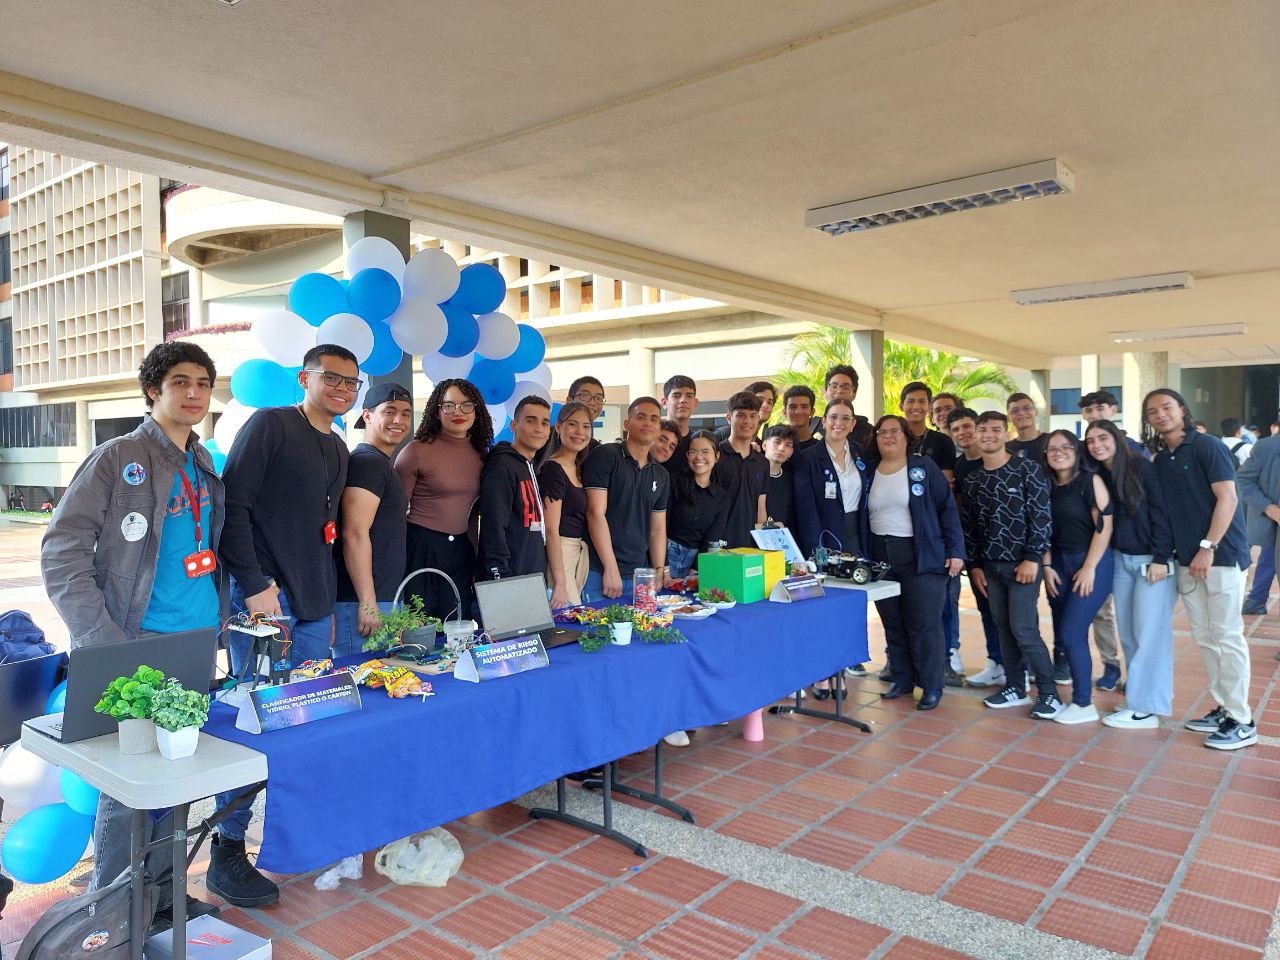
pixel 1199 481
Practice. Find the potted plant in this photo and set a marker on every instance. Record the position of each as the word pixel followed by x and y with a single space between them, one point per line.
pixel 179 714
pixel 128 700
pixel 621 621
pixel 408 623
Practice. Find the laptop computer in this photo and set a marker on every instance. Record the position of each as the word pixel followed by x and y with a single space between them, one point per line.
pixel 518 607
pixel 186 656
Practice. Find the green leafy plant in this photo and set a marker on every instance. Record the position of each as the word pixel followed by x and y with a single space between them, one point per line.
pixel 595 638
pixel 129 698
pixel 661 635
pixel 174 707
pixel 715 595
pixel 619 613
pixel 410 616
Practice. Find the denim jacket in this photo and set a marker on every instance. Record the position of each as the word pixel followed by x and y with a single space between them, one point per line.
pixel 98 579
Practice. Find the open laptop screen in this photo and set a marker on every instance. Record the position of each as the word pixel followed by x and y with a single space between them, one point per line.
pixel 514 606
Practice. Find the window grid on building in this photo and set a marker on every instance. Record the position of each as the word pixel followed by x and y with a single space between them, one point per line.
pixel 46 425
pixel 175 294
pixel 86 295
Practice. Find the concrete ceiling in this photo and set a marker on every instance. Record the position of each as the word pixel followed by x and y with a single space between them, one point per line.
pixel 684 141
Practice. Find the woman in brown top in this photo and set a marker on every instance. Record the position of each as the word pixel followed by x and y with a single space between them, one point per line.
pixel 440 471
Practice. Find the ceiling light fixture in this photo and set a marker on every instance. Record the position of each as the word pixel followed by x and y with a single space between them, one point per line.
pixel 1180 333
pixel 1097 289
pixel 1044 178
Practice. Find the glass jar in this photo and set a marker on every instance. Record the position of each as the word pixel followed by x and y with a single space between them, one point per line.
pixel 644 589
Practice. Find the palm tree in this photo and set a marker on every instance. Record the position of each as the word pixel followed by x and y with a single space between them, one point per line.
pixel 812 354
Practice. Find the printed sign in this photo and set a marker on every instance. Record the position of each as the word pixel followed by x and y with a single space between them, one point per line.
pixel 291 704
pixel 491 660
pixel 795 589
pixel 778 538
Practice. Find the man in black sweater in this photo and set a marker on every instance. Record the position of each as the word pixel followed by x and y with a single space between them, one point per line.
pixel 513 537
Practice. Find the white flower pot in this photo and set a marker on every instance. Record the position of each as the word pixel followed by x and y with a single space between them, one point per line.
pixel 621 633
pixel 176 744
pixel 137 736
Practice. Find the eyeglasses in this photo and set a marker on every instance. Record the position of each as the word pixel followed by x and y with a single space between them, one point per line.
pixel 1024 408
pixel 583 397
pixel 895 432
pixel 332 379
pixel 465 407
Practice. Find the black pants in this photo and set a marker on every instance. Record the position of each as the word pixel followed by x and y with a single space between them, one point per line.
pixel 449 552
pixel 849 542
pixel 912 620
pixel 1013 607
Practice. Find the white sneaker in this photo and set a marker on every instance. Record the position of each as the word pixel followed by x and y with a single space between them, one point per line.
pixel 1074 713
pixel 957 664
pixel 992 675
pixel 677 739
pixel 1129 720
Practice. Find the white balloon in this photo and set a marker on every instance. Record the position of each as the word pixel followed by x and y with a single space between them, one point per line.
pixel 499 336
pixel 26 780
pixel 540 374
pixel 234 416
pixel 285 336
pixel 438 367
pixel 525 388
pixel 418 326
pixel 376 252
pixel 347 330
pixel 431 274
pixel 498 414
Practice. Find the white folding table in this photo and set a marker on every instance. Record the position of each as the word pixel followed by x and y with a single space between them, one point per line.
pixel 150 782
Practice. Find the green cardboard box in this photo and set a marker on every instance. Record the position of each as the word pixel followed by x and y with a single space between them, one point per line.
pixel 742 574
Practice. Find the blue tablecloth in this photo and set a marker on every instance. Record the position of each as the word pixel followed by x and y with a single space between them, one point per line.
pixel 353 783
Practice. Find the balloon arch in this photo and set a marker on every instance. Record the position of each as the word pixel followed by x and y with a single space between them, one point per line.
pixel 427 307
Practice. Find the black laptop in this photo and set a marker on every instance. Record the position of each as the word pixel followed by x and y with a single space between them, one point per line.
pixel 518 607
pixel 187 656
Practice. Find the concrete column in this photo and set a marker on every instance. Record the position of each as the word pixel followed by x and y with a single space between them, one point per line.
pixel 509 267
pixel 1090 373
pixel 1142 373
pixel 196 307
pixel 84 431
pixel 868 360
pixel 640 370
pixel 371 223
pixel 1040 394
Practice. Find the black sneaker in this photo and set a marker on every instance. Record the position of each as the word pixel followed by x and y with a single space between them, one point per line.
pixel 1209 723
pixel 885 675
pixel 857 670
pixel 232 877
pixel 1110 677
pixel 952 679
pixel 1061 669
pixel 1253 608
pixel 1047 706
pixel 1008 697
pixel 1232 735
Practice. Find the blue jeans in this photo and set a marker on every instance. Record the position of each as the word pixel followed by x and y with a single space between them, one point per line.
pixel 1072 615
pixel 1263 574
pixel 951 614
pixel 310 641
pixel 347 641
pixel 593 589
pixel 680 558
pixel 1144 621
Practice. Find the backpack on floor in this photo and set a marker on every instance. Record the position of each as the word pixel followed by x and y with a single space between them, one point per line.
pixel 92 926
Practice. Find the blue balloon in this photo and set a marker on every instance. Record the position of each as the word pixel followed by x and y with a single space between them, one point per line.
pixel 317 296
pixel 530 352
pixel 264 383
pixel 373 294
pixel 464 332
pixel 57 700
pixel 481 288
pixel 45 844
pixel 494 380
pixel 219 462
pixel 386 354
pixel 79 796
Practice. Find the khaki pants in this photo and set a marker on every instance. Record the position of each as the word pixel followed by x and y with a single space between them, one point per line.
pixel 1213 607
pixel 1104 633
pixel 574 553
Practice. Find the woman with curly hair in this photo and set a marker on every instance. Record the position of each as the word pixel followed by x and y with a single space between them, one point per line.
pixel 440 470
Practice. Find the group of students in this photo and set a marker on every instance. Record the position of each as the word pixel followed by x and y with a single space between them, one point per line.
pixel 304 529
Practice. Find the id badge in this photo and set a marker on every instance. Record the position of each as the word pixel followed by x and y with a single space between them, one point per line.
pixel 199 564
pixel 831 488
pixel 331 533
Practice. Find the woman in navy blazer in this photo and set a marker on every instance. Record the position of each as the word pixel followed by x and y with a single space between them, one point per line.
pixel 909 520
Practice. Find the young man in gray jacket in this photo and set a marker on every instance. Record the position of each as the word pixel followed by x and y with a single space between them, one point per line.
pixel 112 562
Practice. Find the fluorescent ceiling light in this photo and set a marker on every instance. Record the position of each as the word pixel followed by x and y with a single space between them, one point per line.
pixel 1044 178
pixel 1180 333
pixel 1098 289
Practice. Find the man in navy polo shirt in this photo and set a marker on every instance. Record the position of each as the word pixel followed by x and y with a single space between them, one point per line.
pixel 1199 480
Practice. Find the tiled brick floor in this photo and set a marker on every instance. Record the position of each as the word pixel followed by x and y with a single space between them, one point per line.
pixel 1142 843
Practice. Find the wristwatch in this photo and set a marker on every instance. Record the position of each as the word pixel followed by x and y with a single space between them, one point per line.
pixel 1208 545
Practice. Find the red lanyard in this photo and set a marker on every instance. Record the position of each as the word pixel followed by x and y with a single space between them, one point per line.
pixel 193 498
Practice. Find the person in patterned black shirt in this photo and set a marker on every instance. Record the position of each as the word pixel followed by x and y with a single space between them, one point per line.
pixel 1004 511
